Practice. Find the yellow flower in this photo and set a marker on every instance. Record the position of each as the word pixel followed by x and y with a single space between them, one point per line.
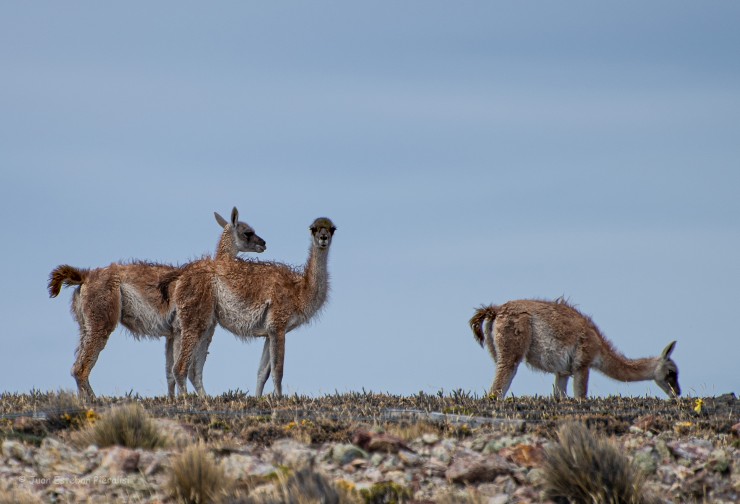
pixel 347 486
pixel 91 416
pixel 682 427
pixel 698 405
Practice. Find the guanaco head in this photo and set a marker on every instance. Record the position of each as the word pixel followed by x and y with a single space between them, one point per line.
pixel 666 373
pixel 322 230
pixel 245 239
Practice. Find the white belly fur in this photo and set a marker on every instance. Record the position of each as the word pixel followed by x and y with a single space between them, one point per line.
pixel 237 317
pixel 546 353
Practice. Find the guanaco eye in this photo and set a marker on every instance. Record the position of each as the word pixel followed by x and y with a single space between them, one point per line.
pixel 249 234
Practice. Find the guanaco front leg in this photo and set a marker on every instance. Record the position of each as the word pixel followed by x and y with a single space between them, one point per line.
pixel 580 382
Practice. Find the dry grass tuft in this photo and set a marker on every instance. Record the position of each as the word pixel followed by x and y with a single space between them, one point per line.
pixel 583 468
pixel 470 496
pixel 129 425
pixel 409 431
pixel 63 410
pixel 196 478
pixel 303 487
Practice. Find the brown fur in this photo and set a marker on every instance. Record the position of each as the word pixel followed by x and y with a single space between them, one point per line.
pixel 66 276
pixel 553 336
pixel 130 294
pixel 251 299
pixel 476 322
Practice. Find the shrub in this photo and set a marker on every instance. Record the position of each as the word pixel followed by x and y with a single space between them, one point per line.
pixel 195 477
pixel 128 426
pixel 64 410
pixel 582 468
pixel 302 487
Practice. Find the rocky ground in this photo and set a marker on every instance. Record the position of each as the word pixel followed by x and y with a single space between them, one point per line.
pixel 380 448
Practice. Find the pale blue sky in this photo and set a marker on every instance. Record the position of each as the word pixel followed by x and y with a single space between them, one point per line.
pixel 469 153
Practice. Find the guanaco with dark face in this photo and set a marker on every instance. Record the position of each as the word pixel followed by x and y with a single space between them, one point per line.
pixel 251 299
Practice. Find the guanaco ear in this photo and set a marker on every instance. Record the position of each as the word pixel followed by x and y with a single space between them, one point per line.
pixel 668 350
pixel 221 221
pixel 234 217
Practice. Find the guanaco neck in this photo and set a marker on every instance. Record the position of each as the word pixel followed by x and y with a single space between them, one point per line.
pixel 315 288
pixel 617 366
pixel 226 247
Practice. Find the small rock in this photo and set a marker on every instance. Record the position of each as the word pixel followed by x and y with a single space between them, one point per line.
pixel 409 459
pixel 646 461
pixel 374 475
pixel 526 455
pixel 343 454
pixel 398 477
pixel 391 463
pixel 17 450
pixel 380 442
pixel 720 461
pixel 435 468
pixel 477 469
pixel 736 429
pixel 177 434
pixel 54 457
pixel 151 463
pixel 644 423
pixel 291 453
pixel 376 459
pixel 238 467
pixel 662 448
pixel 696 449
pixel 119 460
pixel 495 445
pixel 429 438
pixel 442 452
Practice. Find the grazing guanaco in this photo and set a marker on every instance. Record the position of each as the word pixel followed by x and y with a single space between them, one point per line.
pixel 554 337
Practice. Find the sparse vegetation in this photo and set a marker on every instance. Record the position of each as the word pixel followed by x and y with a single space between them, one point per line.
pixel 305 486
pixel 582 468
pixel 64 410
pixel 667 439
pixel 196 478
pixel 128 425
pixel 469 496
pixel 386 492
